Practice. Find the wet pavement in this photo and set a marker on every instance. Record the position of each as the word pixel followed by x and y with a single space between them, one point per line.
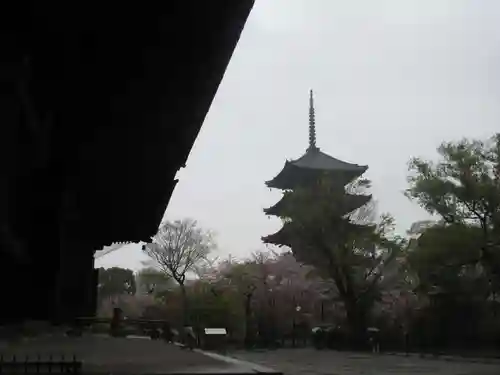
pixel 314 362
pixel 112 355
pixel 101 354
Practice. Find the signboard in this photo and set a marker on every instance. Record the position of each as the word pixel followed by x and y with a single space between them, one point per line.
pixel 215 331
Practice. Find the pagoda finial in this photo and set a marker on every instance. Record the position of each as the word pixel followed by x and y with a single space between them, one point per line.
pixel 312 123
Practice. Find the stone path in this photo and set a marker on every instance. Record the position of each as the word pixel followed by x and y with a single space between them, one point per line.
pixel 313 362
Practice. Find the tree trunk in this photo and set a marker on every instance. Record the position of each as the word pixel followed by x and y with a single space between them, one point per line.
pixel 185 307
pixel 356 314
pixel 356 320
pixel 248 321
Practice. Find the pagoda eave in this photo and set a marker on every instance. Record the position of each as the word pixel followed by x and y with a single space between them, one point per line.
pixel 353 202
pixel 277 209
pixel 280 238
pixel 292 176
pixel 271 211
pixel 271 240
pixel 281 177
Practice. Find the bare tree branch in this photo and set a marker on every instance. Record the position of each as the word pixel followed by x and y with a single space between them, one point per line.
pixel 179 247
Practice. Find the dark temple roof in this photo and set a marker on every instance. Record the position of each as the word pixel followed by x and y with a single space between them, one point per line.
pixel 310 166
pixel 121 93
pixel 315 159
pixel 280 238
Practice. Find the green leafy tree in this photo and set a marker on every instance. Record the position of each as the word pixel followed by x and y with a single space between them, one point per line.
pixel 334 230
pixel 451 283
pixel 212 307
pixel 153 281
pixel 463 189
pixel 116 281
pixel 242 278
pixel 444 255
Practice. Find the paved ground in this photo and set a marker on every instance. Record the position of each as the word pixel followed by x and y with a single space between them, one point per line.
pixel 113 355
pixel 313 362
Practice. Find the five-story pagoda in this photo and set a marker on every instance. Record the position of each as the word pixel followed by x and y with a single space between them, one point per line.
pixel 306 172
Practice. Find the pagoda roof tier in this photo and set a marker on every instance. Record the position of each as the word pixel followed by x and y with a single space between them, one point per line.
pixel 351 202
pixel 314 158
pixel 311 166
pixel 280 238
pixel 286 235
pixel 314 163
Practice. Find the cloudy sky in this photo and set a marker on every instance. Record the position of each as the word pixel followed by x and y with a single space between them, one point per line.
pixel 392 79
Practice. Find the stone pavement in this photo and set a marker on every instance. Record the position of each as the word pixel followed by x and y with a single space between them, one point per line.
pixel 493 358
pixel 101 354
pixel 313 362
pixel 114 355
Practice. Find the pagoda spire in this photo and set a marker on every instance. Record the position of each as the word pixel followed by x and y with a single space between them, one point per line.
pixel 312 124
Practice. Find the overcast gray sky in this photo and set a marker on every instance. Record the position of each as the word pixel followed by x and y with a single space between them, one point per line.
pixel 392 79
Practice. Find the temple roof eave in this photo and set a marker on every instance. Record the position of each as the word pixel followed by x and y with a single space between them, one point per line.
pixel 270 240
pixel 272 182
pixel 314 158
pixel 272 211
pixel 278 238
pixel 357 200
pixel 327 165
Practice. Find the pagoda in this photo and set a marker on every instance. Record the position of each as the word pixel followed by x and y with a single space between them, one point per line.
pixel 306 172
